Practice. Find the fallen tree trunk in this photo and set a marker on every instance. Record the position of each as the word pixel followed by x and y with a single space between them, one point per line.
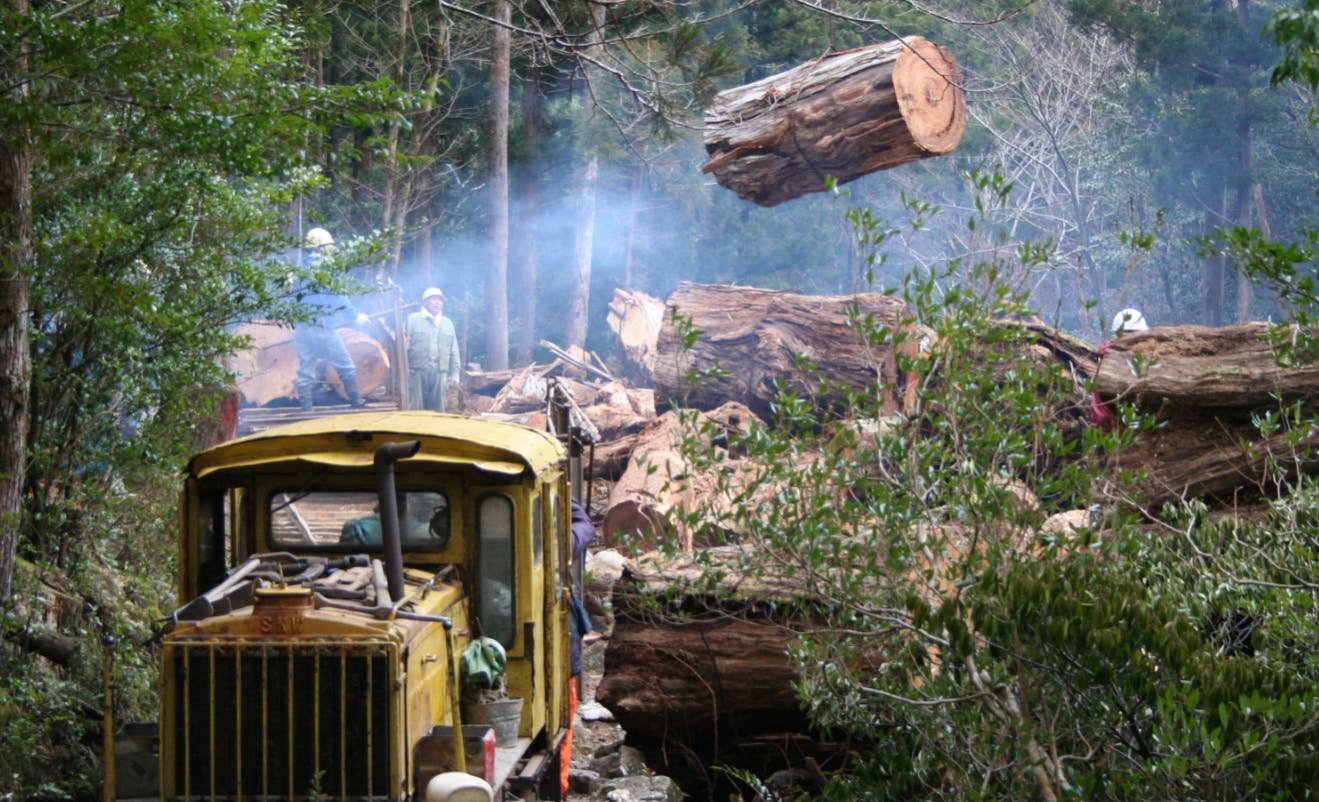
pixel 1217 459
pixel 750 342
pixel 841 116
pixel 1206 386
pixel 636 318
pixel 694 688
pixel 58 649
pixel 1201 367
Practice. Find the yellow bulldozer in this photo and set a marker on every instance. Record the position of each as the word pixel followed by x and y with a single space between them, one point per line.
pixel 332 574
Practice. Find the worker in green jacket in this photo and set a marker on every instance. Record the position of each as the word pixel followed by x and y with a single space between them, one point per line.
pixel 433 361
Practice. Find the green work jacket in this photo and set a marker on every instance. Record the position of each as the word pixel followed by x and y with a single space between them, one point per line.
pixel 432 344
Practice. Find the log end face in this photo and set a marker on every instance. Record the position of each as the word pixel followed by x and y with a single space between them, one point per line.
pixel 928 85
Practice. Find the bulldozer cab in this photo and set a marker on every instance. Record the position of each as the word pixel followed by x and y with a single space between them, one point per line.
pixel 326 592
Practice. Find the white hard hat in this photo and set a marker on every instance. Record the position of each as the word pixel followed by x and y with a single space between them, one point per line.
pixel 432 292
pixel 318 238
pixel 1129 319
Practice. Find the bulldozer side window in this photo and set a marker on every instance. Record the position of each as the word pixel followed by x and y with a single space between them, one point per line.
pixel 561 571
pixel 536 550
pixel 495 601
pixel 212 554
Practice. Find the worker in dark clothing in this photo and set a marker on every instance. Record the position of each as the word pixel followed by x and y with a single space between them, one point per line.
pixel 316 339
pixel 583 532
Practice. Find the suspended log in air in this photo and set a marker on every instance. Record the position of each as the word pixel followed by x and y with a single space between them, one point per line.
pixel 843 115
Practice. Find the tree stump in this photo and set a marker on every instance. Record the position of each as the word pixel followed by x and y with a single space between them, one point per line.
pixel 843 115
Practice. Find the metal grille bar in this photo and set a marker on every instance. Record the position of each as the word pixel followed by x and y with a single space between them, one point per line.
pixel 258 720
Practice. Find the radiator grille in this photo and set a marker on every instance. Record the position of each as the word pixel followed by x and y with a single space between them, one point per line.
pixel 280 720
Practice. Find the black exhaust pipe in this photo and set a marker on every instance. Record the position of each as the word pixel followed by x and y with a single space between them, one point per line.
pixel 386 456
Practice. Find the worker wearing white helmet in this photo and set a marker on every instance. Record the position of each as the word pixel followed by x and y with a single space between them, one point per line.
pixel 1126 321
pixel 433 360
pixel 1129 319
pixel 316 339
pixel 319 240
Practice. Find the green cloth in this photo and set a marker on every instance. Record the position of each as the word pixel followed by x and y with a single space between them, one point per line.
pixel 361 532
pixel 483 664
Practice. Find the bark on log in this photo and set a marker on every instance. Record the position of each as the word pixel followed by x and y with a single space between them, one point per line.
pixel 58 649
pixel 267 371
pixel 1217 459
pixel 487 382
pixel 694 689
pixel 1201 367
pixel 1204 384
pixel 609 459
pixel 755 337
pixel 843 115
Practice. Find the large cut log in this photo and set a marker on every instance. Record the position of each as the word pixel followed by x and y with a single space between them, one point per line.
pixel 750 342
pixel 639 515
pixel 267 371
pixel 1219 459
pixel 619 410
pixel 1206 386
pixel 636 318
pixel 843 115
pixel 487 382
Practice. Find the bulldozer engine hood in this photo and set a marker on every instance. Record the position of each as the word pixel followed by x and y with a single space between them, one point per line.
pixel 340 603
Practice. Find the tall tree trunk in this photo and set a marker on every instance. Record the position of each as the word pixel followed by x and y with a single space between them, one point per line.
pixel 496 334
pixel 579 301
pixel 16 258
pixel 633 218
pixel 1245 198
pixel 1212 279
pixel 529 229
pixel 388 215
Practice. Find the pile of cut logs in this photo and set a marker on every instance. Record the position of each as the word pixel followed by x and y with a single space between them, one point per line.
pixel 711 688
pixel 718 688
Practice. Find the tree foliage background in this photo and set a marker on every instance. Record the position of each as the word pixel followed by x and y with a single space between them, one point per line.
pixel 160 160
